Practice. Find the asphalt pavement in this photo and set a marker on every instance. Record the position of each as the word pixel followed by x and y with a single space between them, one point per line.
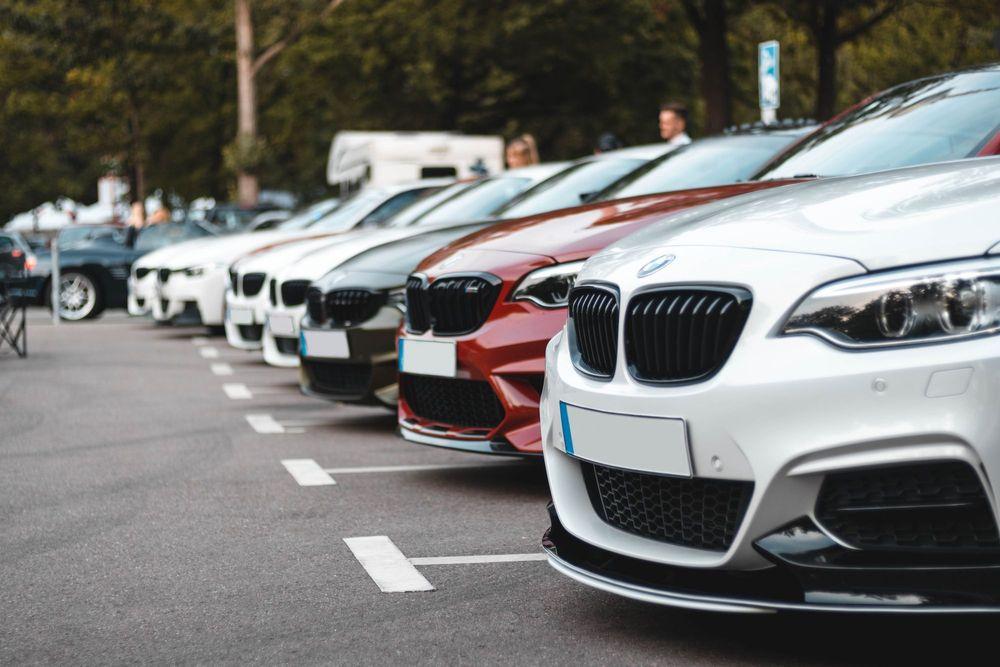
pixel 166 498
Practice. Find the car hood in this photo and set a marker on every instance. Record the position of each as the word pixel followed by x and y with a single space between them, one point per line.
pixel 579 232
pixel 886 219
pixel 227 249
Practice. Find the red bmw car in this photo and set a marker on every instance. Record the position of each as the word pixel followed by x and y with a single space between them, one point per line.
pixel 481 311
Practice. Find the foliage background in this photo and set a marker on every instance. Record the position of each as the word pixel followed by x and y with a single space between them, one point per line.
pixel 91 85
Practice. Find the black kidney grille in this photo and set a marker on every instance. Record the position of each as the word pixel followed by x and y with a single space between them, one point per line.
pixel 142 273
pixel 460 304
pixel 693 512
pixel 234 281
pixel 163 275
pixel 348 307
pixel 928 506
pixel 467 403
pixel 594 312
pixel 293 292
pixel 272 292
pixel 681 334
pixel 253 283
pixel 417 317
pixel 314 305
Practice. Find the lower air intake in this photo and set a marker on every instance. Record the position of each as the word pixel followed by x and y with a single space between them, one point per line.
pixel 929 506
pixel 339 378
pixel 465 403
pixel 692 512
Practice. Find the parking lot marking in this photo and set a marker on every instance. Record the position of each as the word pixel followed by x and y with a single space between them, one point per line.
pixel 386 565
pixel 237 391
pixel 199 340
pixel 264 424
pixel 411 468
pixel 490 558
pixel 307 472
pixel 209 352
pixel 222 369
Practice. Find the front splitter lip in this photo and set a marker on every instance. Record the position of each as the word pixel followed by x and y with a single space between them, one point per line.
pixel 477 446
pixel 736 605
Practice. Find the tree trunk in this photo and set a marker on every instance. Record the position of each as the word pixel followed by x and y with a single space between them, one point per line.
pixel 827 44
pixel 713 51
pixel 247 187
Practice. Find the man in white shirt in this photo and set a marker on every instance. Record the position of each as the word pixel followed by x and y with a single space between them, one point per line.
pixel 673 122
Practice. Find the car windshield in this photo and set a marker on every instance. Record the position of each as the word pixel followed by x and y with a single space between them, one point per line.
pixel 415 211
pixel 478 202
pixel 158 236
pixel 702 163
pixel 350 212
pixel 944 118
pixel 74 237
pixel 570 187
pixel 307 217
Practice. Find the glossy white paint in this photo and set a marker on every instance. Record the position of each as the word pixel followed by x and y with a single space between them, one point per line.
pixel 784 410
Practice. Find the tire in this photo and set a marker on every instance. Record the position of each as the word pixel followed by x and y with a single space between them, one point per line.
pixel 80 297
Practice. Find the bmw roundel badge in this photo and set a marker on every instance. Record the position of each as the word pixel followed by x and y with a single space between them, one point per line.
pixel 656 264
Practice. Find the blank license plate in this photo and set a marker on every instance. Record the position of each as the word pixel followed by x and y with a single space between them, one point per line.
pixel 325 344
pixel 427 357
pixel 281 325
pixel 241 316
pixel 649 444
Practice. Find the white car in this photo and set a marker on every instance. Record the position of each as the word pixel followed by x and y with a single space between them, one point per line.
pixel 191 285
pixel 245 307
pixel 788 402
pixel 280 335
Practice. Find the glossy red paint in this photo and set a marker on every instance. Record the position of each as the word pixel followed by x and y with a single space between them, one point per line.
pixel 508 350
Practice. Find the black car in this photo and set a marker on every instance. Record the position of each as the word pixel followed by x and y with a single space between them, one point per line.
pixel 16 257
pixel 94 264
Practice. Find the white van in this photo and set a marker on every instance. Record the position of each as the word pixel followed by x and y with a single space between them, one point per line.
pixel 387 158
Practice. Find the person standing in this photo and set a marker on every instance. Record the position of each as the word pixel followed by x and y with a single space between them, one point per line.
pixel 673 123
pixel 522 151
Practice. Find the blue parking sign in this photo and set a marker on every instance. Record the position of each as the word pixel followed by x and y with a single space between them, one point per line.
pixel 768 75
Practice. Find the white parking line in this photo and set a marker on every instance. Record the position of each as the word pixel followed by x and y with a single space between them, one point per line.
pixel 237 391
pixel 264 424
pixel 209 352
pixel 386 565
pixel 411 468
pixel 307 472
pixel 464 560
pixel 199 340
pixel 222 369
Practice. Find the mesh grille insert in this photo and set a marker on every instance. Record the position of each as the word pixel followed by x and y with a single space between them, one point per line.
pixel 938 505
pixel 466 403
pixel 692 512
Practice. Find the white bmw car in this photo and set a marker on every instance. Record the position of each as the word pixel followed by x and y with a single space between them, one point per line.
pixel 191 285
pixel 788 402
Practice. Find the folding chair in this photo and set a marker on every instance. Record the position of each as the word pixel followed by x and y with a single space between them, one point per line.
pixel 13 315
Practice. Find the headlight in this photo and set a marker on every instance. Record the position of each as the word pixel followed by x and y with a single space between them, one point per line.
pixel 930 304
pixel 397 298
pixel 548 287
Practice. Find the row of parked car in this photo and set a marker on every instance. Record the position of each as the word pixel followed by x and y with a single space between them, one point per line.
pixel 759 368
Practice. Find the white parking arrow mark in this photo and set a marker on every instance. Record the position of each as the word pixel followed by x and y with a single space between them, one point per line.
pixel 386 565
pixel 264 424
pixel 307 472
pixel 237 391
pixel 222 369
pixel 209 352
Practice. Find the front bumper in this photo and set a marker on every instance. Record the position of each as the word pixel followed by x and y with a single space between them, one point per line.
pixel 141 294
pixel 183 296
pixel 368 375
pixel 282 349
pixel 508 353
pixel 785 414
pixel 246 334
